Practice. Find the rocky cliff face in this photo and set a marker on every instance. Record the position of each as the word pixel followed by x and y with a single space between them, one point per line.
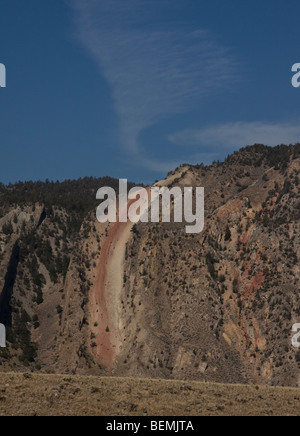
pixel 220 305
pixel 154 301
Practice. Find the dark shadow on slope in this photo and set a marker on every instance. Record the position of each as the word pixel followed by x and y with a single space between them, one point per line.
pixel 42 218
pixel 6 292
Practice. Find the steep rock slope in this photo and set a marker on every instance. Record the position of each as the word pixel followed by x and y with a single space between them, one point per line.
pixel 218 306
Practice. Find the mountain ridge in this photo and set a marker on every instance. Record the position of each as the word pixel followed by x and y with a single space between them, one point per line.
pixel 212 307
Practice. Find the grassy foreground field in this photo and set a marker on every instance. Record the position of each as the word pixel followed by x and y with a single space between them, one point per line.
pixel 52 395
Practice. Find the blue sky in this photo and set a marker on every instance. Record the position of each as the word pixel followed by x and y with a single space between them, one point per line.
pixel 133 88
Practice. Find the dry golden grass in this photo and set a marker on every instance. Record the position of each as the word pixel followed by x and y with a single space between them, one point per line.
pixel 59 395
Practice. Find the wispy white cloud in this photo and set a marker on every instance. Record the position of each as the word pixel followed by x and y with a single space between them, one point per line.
pixel 236 135
pixel 155 69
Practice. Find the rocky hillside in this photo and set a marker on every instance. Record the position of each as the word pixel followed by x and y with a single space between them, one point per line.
pixel 218 306
pixel 43 229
